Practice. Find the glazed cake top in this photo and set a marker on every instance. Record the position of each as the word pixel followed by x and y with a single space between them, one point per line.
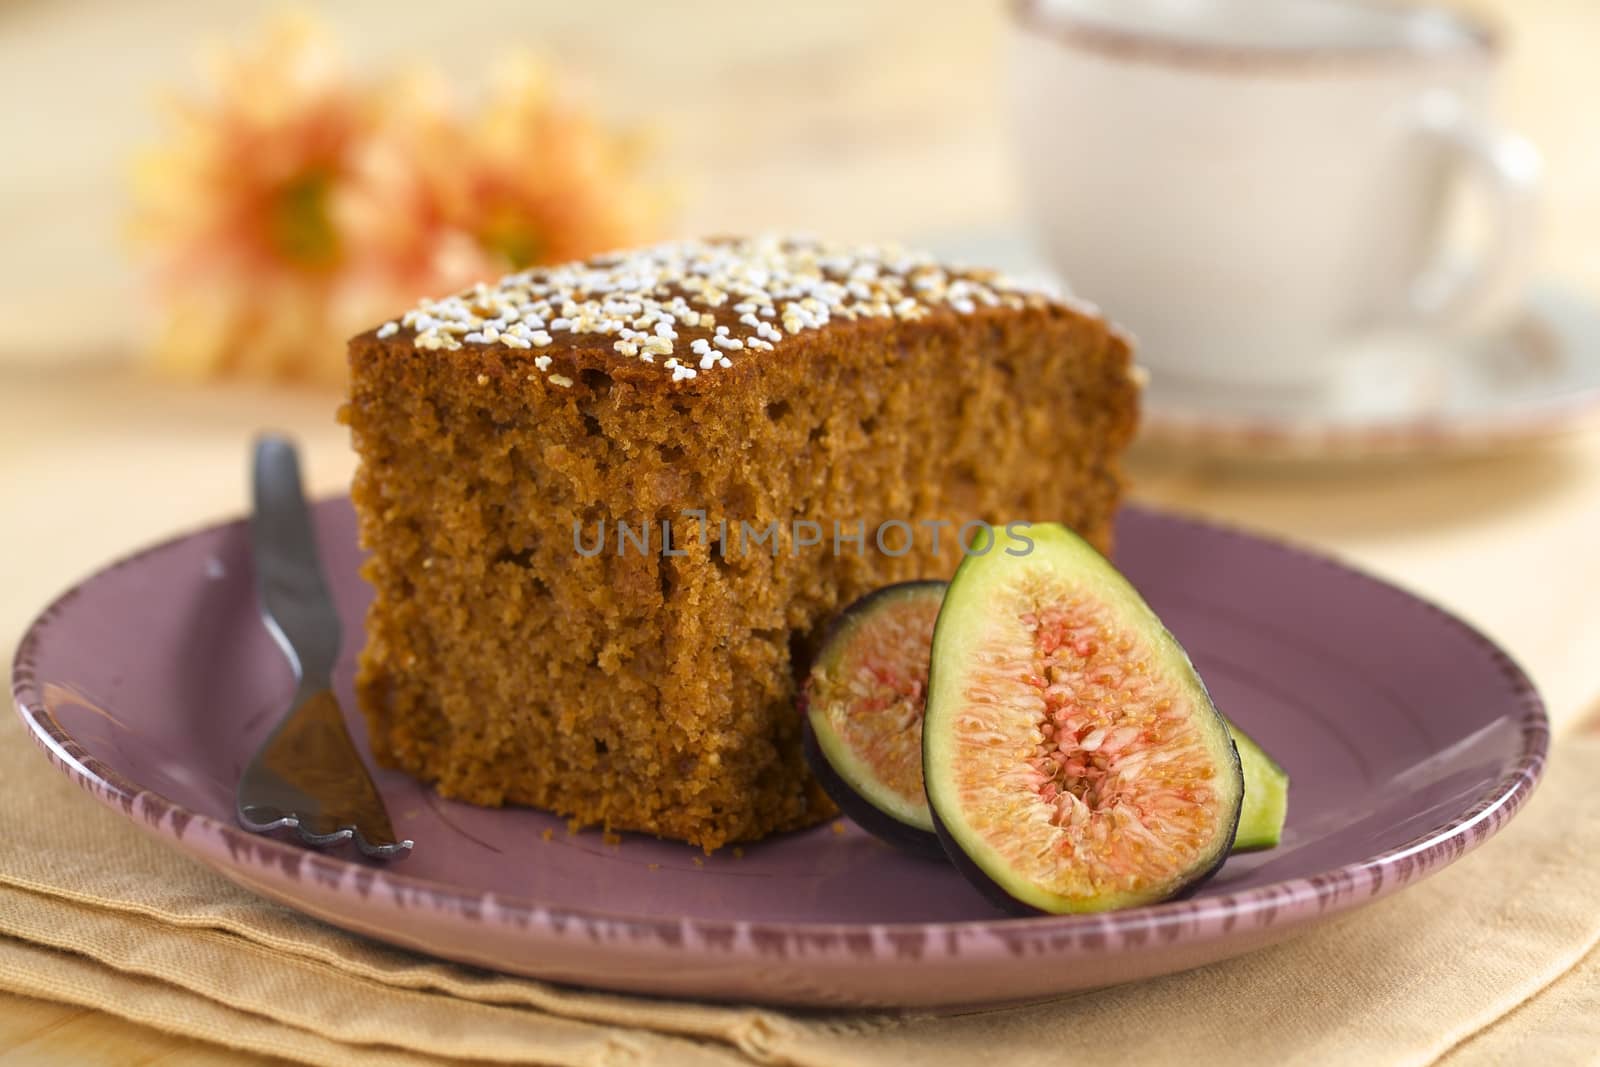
pixel 692 307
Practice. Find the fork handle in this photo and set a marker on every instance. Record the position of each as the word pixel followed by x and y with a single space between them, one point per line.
pixel 293 594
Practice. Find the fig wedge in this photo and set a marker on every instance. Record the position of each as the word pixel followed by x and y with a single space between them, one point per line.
pixel 1266 797
pixel 862 705
pixel 1072 758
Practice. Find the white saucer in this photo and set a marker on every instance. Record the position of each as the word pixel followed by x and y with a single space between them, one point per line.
pixel 1535 380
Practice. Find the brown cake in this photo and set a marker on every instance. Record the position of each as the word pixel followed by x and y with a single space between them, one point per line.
pixel 520 651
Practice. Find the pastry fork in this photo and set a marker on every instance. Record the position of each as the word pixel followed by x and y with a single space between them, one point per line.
pixel 307 774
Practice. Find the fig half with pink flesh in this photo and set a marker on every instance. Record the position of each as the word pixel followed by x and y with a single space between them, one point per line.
pixel 1072 758
pixel 862 705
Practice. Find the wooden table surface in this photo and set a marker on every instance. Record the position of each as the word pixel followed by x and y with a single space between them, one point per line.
pixel 879 118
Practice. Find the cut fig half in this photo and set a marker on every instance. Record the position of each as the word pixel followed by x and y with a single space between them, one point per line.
pixel 1072 758
pixel 1266 797
pixel 862 705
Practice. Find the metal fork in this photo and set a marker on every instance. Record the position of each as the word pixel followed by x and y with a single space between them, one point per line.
pixel 307 774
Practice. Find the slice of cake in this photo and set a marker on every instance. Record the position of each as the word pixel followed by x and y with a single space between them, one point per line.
pixel 611 504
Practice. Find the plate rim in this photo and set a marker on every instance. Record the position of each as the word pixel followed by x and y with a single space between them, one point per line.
pixel 1326 892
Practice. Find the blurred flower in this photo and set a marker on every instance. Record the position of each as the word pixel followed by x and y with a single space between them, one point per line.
pixel 298 205
pixel 546 183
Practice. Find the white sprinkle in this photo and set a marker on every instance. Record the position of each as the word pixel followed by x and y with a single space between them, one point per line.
pixel 640 298
pixel 561 380
pixel 542 363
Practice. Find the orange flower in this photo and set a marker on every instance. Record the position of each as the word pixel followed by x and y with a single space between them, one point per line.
pixel 296 205
pixel 240 205
pixel 545 183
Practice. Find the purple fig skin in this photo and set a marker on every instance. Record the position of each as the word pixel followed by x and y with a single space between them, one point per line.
pixel 865 604
pixel 860 810
pixel 996 894
pixel 879 824
pixel 974 874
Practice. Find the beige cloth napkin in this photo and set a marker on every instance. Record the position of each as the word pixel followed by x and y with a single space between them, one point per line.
pixel 1492 961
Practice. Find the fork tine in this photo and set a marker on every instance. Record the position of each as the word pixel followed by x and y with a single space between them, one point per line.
pixel 310 776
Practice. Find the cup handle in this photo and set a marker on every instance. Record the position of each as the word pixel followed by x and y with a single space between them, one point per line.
pixel 1474 296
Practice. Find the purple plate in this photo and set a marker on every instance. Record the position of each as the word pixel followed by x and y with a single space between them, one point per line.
pixel 1410 738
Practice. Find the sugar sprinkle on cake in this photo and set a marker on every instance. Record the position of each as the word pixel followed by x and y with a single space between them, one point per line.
pixel 690 306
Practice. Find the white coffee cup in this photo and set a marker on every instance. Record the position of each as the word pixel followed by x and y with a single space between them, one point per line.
pixel 1252 186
